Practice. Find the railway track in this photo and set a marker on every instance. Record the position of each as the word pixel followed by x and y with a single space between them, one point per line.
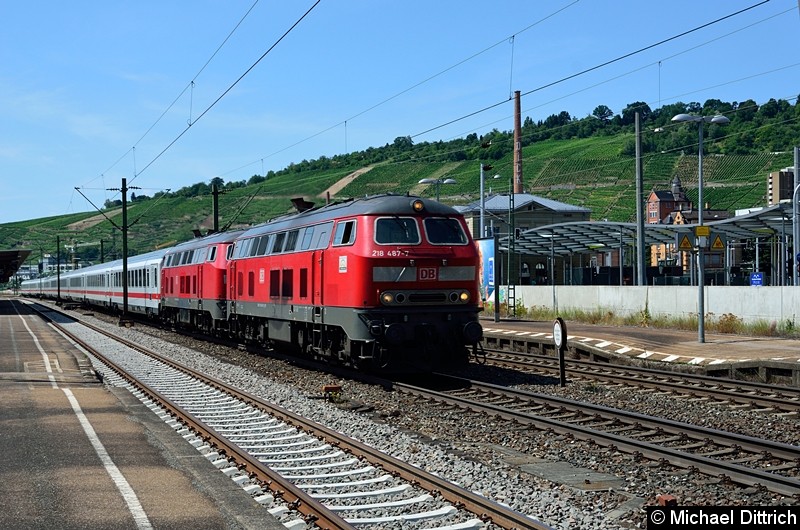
pixel 732 457
pixel 767 397
pixel 300 470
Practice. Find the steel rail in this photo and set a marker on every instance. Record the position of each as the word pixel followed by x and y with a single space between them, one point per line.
pixel 484 508
pixel 786 399
pixel 742 475
pixel 749 443
pixel 314 511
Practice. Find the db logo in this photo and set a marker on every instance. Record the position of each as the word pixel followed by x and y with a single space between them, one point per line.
pixel 427 273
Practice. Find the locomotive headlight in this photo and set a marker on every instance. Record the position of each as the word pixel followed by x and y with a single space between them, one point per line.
pixel 464 296
pixel 387 298
pixel 417 205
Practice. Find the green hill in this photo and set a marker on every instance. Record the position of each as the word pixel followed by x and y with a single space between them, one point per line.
pixel 588 162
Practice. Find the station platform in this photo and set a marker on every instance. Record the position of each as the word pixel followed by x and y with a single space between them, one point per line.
pixel 663 345
pixel 79 454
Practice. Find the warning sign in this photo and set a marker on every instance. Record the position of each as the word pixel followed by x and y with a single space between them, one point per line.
pixel 717 244
pixel 684 243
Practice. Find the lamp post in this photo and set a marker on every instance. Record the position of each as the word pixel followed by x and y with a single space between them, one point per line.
pixel 510 245
pixel 438 183
pixel 484 167
pixel 510 221
pixel 795 219
pixel 700 120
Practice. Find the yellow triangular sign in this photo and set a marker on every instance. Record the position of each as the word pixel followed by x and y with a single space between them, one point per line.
pixel 685 243
pixel 717 244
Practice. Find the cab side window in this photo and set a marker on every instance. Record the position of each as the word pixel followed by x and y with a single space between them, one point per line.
pixel 345 233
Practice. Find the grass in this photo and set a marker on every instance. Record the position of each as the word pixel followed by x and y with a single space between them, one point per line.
pixel 726 324
pixel 593 173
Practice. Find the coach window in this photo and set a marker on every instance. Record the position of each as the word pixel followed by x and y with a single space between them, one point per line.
pixel 229 253
pixel 287 283
pixel 345 233
pixel 322 233
pixel 243 248
pixel 270 241
pixel 274 283
pixel 396 231
pixel 262 245
pixel 277 246
pixel 254 247
pixel 291 241
pixel 303 283
pixel 308 236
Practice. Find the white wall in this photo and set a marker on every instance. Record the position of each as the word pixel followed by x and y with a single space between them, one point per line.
pixel 750 304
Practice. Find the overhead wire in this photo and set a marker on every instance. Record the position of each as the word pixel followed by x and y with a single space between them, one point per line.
pixel 180 95
pixel 227 90
pixel 595 67
pixel 630 72
pixel 412 87
pixel 191 122
pixel 494 45
pixel 223 94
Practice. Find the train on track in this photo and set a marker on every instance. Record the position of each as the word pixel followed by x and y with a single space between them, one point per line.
pixel 387 282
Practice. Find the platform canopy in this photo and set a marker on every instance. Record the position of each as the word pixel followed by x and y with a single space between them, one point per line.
pixel 582 237
pixel 10 262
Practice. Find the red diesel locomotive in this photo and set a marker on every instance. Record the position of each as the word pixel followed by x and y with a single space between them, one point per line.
pixel 383 282
pixel 194 282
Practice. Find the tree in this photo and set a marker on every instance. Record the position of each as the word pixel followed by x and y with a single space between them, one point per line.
pixel 602 113
pixel 403 142
pixel 629 112
pixel 716 106
pixel 557 120
pixel 218 181
pixel 256 179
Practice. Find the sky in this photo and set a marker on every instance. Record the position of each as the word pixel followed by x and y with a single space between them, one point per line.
pixel 169 94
